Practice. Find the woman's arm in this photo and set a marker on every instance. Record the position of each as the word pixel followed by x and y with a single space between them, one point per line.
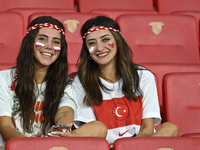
pixel 64 115
pixel 7 129
pixel 147 128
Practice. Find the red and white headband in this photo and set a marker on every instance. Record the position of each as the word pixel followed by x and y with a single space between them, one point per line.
pixel 100 28
pixel 45 25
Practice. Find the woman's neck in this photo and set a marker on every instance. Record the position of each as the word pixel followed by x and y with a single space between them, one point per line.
pixel 110 74
pixel 39 74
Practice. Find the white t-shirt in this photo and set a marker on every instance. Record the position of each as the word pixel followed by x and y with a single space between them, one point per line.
pixel 121 116
pixel 9 102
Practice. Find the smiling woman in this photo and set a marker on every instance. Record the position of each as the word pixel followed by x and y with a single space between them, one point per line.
pixel 112 89
pixel 33 92
pixel 36 94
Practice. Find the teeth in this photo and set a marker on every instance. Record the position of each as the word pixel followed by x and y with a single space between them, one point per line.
pixel 47 54
pixel 103 54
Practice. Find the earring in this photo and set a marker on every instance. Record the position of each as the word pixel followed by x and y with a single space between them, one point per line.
pixel 89 57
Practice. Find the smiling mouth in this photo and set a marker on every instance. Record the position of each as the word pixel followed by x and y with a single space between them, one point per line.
pixel 102 54
pixel 46 54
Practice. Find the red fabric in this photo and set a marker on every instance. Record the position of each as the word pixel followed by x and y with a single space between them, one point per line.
pixel 118 112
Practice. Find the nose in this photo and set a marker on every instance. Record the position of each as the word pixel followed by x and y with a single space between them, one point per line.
pixel 100 46
pixel 48 45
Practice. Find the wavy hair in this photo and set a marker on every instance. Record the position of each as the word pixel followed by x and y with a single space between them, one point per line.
pixel 89 72
pixel 56 78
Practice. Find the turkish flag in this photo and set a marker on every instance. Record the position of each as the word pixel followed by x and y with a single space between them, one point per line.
pixel 119 112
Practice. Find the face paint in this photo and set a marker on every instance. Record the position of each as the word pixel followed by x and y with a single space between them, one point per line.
pixel 38 44
pixel 91 49
pixel 57 49
pixel 111 45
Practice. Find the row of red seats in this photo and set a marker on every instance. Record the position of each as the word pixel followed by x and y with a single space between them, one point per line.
pixel 92 143
pixel 153 38
pixel 162 6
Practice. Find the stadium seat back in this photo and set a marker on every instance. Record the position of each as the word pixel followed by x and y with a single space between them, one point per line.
pixel 88 5
pixel 157 143
pixel 6 66
pixel 55 143
pixel 182 101
pixel 59 4
pixel 161 38
pixel 160 69
pixel 26 12
pixel 195 14
pixel 12 33
pixel 169 6
pixel 114 13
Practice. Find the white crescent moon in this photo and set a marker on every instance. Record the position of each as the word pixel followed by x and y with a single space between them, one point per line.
pixel 117 112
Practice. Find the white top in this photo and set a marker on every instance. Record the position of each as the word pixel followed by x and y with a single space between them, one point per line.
pixel 121 116
pixel 9 102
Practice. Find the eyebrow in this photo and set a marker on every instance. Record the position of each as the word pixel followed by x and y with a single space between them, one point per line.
pixel 100 37
pixel 104 35
pixel 47 36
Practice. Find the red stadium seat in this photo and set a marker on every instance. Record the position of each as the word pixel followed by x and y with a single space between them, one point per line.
pixel 161 38
pixel 72 68
pixel 157 143
pixel 169 6
pixel 59 4
pixel 73 23
pixel 72 74
pixel 114 13
pixel 6 66
pixel 191 135
pixel 88 5
pixel 57 143
pixel 161 69
pixel 26 12
pixel 181 101
pixel 12 33
pixel 195 14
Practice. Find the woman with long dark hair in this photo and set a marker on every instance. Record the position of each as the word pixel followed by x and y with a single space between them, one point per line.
pixel 112 89
pixel 37 93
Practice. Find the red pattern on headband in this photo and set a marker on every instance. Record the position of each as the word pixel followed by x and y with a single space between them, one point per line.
pixel 45 25
pixel 100 28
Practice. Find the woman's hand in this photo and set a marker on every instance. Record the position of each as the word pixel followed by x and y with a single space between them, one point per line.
pixel 60 131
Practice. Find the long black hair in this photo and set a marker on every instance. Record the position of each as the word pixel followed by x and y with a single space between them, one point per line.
pixel 56 78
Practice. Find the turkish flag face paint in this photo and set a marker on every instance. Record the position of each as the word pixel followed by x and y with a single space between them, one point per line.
pixel 38 44
pixel 57 49
pixel 111 45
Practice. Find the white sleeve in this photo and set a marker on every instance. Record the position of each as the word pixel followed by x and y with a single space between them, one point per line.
pixel 5 98
pixel 84 113
pixel 68 98
pixel 151 108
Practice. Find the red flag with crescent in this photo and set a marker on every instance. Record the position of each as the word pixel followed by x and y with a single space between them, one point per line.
pixel 118 112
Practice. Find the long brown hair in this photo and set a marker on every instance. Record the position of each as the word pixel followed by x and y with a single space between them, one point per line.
pixel 89 72
pixel 56 78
